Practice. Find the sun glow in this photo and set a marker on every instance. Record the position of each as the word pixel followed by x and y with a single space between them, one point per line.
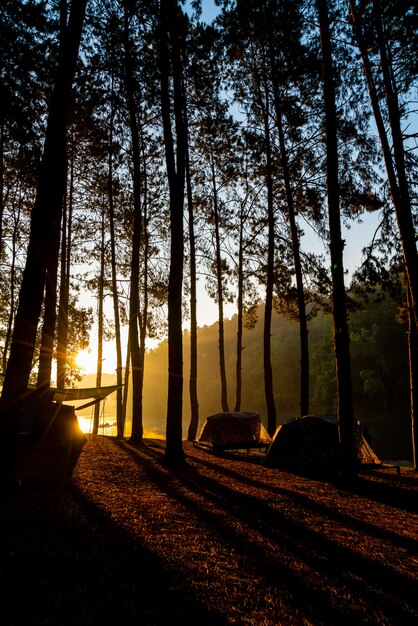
pixel 86 361
pixel 106 426
pixel 85 423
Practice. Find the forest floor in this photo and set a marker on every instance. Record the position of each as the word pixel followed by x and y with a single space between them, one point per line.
pixel 116 537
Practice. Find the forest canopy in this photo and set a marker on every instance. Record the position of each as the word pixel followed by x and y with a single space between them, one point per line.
pixel 148 149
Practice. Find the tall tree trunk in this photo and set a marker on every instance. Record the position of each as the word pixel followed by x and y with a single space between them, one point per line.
pixel 271 220
pixel 136 362
pixel 303 323
pixel 100 298
pixel 143 313
pixel 12 275
pixel 404 213
pixel 134 303
pixel 396 172
pixel 45 214
pixel 395 164
pixel 413 374
pixel 119 417
pixel 194 402
pixel 1 178
pixel 240 289
pixel 63 9
pixel 264 104
pixel 48 327
pixel 50 303
pixel 268 308
pixel 171 40
pixel 126 380
pixel 64 296
pixel 221 331
pixel 341 334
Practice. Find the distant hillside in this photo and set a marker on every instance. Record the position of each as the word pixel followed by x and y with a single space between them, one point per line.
pixel 379 371
pixel 285 338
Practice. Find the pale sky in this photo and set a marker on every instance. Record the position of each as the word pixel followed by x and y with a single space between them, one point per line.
pixel 357 237
pixel 207 314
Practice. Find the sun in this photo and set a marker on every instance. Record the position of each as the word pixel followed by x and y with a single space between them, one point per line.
pixel 86 361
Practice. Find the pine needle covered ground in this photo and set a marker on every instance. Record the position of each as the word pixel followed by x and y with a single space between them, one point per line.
pixel 226 540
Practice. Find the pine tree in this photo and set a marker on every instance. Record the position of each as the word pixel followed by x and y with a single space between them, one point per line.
pixel 171 41
pixel 341 334
pixel 46 214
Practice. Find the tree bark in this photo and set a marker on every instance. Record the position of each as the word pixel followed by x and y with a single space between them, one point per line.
pixel 395 164
pixel 100 297
pixel 397 180
pixel 171 40
pixel 240 298
pixel 45 214
pixel 1 178
pixel 48 329
pixel 126 379
pixel 12 302
pixel 264 104
pixel 341 334
pixel 268 307
pixel 303 324
pixel 413 374
pixel 404 212
pixel 221 332
pixel 143 313
pixel 134 301
pixel 119 417
pixel 62 326
pixel 194 402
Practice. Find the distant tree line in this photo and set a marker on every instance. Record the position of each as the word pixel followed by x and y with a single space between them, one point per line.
pixel 142 149
pixel 379 355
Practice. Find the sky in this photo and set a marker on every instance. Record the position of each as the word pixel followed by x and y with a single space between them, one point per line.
pixel 207 308
pixel 209 10
pixel 356 238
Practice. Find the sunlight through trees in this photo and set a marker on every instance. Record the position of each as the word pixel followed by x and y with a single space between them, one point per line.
pixel 161 155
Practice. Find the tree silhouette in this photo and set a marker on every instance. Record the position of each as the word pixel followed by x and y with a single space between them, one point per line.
pixel 171 41
pixel 341 334
pixel 45 219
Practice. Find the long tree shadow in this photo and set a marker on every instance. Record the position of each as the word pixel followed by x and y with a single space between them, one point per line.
pixel 309 502
pixel 65 562
pixel 155 450
pixel 397 493
pixel 392 495
pixel 349 570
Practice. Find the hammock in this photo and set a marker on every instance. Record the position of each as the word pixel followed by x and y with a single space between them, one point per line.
pixel 69 395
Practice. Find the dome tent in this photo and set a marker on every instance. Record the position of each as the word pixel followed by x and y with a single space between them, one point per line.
pixel 233 430
pixel 310 444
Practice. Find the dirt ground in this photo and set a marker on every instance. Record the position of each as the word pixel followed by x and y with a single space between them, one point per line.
pixel 112 536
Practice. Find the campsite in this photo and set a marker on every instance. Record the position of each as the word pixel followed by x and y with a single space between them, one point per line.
pixel 108 534
pixel 208 312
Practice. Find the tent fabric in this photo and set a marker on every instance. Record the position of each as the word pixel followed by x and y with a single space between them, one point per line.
pixel 311 443
pixel 64 424
pixel 58 423
pixel 366 454
pixel 233 429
